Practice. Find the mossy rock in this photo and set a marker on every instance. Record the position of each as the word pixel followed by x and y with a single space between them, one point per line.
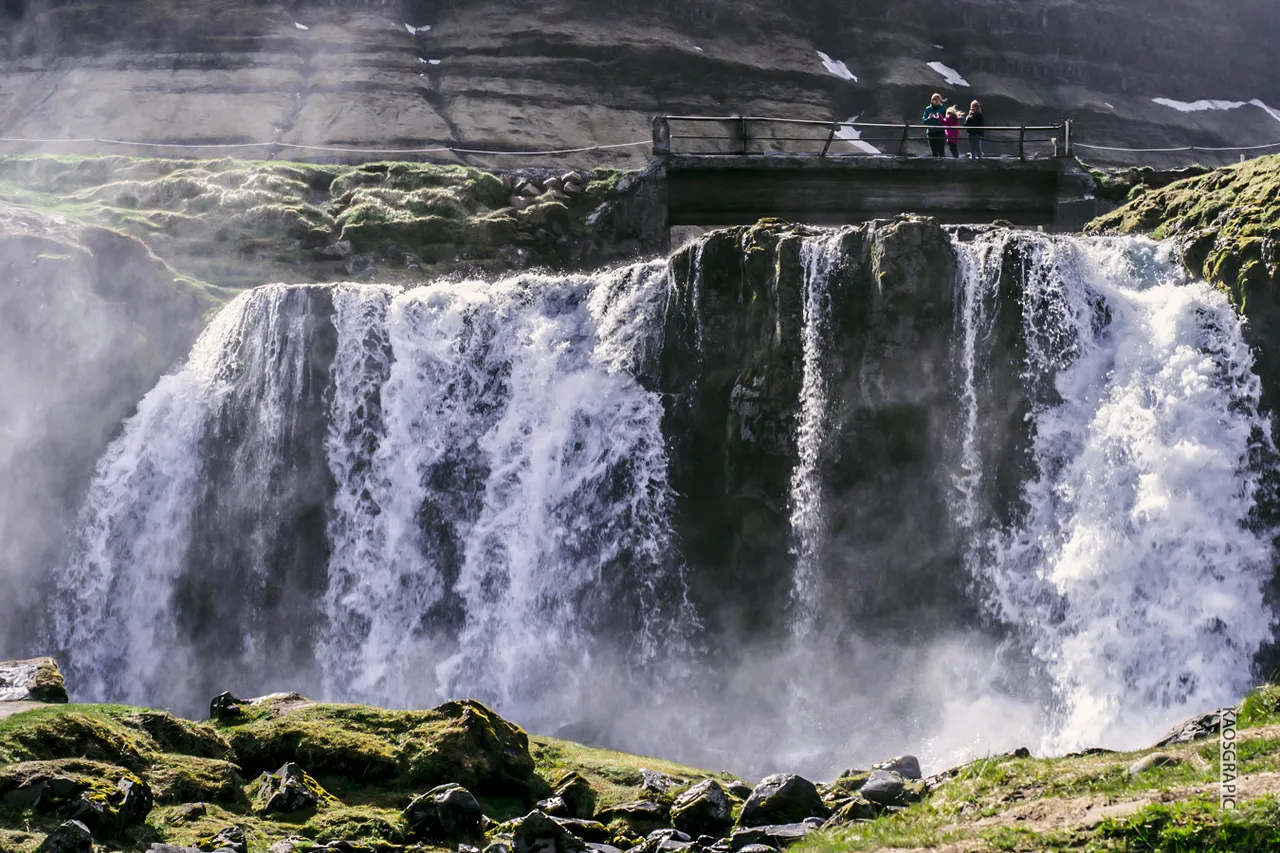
pixel 320 744
pixel 188 779
pixel 174 734
pixel 35 680
pixel 357 823
pixel 74 731
pixel 472 746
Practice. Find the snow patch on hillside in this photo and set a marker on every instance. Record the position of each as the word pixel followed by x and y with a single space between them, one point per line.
pixel 837 67
pixel 948 73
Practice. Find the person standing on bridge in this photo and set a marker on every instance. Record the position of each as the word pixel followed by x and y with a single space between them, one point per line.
pixel 952 122
pixel 974 122
pixel 933 115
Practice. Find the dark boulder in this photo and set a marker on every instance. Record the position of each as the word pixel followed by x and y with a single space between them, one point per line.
pixel 446 812
pixel 851 810
pixel 702 810
pixel 776 835
pixel 588 830
pixel 782 798
pixel 224 706
pixel 288 790
pixel 887 788
pixel 553 806
pixel 230 838
pixel 641 817
pixel 906 766
pixel 578 795
pixel 537 833
pixel 126 806
pixel 69 837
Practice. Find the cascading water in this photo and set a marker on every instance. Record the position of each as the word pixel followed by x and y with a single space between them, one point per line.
pixel 819 255
pixel 402 496
pixel 499 492
pixel 1132 569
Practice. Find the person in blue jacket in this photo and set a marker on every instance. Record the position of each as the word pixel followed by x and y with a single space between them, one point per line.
pixel 932 120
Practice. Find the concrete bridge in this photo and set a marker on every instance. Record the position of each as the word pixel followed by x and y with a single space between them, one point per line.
pixel 734 171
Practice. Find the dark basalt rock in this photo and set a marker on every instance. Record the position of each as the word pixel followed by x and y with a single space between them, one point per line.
pixel 128 805
pixel 906 766
pixel 537 833
pixel 775 836
pixel 782 798
pixel 69 837
pixel 702 809
pixel 287 790
pixel 1196 728
pixel 852 809
pixel 445 812
pixel 230 838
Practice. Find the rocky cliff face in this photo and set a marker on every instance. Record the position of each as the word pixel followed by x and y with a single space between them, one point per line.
pixel 570 73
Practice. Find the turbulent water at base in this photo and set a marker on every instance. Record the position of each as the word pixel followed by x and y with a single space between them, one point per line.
pixel 1132 571
pixel 482 471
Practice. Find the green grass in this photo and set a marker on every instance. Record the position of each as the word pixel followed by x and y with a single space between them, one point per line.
pixel 915 826
pixel 1197 826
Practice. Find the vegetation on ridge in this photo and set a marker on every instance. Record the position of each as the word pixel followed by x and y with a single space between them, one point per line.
pixel 236 223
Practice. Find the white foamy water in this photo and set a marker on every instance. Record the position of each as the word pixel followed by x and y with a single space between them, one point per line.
pixel 114 609
pixel 515 471
pixel 1133 573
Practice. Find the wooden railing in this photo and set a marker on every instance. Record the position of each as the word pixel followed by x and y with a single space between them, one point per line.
pixel 747 135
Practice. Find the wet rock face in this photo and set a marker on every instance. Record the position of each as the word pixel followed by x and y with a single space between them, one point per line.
pixel 782 798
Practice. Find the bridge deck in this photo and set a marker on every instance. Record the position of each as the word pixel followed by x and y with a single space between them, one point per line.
pixel 720 190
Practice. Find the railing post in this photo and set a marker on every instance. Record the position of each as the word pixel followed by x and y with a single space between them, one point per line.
pixel 830 136
pixel 1066 130
pixel 661 137
pixel 1022 142
pixel 743 122
pixel 902 146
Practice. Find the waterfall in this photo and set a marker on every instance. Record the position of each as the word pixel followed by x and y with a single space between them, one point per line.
pixel 497 523
pixel 115 605
pixel 1132 570
pixel 819 256
pixel 406 495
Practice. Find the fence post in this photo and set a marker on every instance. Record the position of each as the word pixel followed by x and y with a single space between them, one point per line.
pixel 1022 142
pixel 902 146
pixel 1067 131
pixel 661 136
pixel 830 136
pixel 743 121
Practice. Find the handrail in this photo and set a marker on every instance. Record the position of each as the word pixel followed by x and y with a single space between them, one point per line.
pixel 737 135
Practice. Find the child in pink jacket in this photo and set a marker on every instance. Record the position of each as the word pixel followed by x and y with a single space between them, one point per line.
pixel 952 122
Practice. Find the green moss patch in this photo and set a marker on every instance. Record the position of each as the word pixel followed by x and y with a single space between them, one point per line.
pixel 1199 825
pixel 237 223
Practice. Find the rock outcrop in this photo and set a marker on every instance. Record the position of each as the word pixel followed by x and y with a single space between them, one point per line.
pixel 35 680
pixel 579 73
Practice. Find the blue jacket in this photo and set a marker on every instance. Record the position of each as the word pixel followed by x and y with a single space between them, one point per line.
pixel 933 117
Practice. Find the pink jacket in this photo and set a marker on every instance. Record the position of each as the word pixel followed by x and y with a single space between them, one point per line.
pixel 953 127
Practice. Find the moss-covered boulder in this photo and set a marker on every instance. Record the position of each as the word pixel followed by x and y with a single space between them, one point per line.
pixel 289 790
pixel 461 742
pixel 34 680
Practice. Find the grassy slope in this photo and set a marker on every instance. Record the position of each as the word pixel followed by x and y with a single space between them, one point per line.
pixel 372 761
pixel 235 224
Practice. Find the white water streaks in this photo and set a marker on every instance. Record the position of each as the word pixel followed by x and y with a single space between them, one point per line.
pixel 819 256
pixel 1133 572
pixel 512 483
pixel 114 612
pixel 837 67
pixel 948 73
pixel 1205 105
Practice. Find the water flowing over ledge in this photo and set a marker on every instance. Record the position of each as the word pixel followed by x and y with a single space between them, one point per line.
pixel 817 492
